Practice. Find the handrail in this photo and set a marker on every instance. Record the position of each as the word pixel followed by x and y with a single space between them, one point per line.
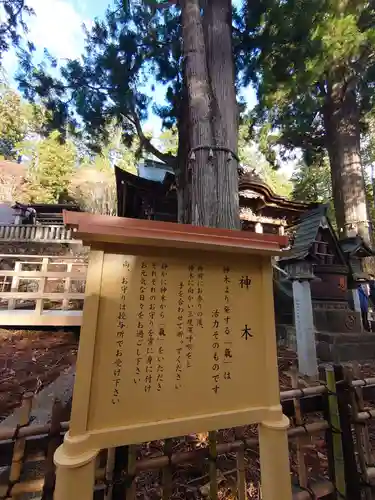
pixel 36 233
pixel 47 297
pixel 24 256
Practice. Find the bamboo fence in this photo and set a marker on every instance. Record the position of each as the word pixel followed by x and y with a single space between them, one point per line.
pixel 334 409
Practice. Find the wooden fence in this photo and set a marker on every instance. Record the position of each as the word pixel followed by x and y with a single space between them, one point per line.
pixel 36 234
pixel 41 290
pixel 329 421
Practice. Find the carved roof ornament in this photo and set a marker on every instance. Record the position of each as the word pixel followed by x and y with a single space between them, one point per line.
pixel 247 214
pixel 248 193
pixel 252 186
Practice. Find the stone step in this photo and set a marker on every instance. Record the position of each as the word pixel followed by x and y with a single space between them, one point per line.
pixel 333 347
pixel 345 337
pixel 341 347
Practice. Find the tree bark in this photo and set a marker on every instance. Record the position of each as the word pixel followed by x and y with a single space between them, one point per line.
pixel 182 173
pixel 343 144
pixel 217 22
pixel 204 179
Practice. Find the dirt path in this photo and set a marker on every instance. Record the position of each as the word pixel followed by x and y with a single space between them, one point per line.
pixel 30 360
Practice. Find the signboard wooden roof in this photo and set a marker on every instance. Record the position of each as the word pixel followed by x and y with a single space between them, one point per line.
pixel 101 230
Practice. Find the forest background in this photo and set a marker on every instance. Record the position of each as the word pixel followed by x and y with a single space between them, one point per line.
pixel 70 151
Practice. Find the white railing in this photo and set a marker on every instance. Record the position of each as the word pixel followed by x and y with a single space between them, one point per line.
pixel 38 234
pixel 41 290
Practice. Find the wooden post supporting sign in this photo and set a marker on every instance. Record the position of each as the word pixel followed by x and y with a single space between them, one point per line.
pixel 170 311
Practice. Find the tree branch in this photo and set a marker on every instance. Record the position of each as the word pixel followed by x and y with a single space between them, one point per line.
pixel 146 143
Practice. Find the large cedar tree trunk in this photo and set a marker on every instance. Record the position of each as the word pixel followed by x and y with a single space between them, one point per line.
pixel 182 173
pixel 212 112
pixel 217 15
pixel 343 144
pixel 203 172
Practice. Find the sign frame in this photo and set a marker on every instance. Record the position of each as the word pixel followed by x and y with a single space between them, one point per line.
pixel 75 459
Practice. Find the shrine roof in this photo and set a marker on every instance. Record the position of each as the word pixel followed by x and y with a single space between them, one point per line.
pixel 355 245
pixel 141 183
pixel 251 181
pixel 306 231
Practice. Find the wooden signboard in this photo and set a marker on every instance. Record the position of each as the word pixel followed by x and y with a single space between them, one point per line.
pixel 178 337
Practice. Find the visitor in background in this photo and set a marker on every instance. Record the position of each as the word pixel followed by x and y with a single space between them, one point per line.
pixel 372 289
pixel 364 292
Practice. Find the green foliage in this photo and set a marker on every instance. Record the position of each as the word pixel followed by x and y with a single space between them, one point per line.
pixel 51 169
pixel 13 123
pixel 136 43
pixel 312 183
pixel 368 142
pixel 298 53
pixel 168 140
pixel 19 122
pixel 13 13
pixel 251 156
pixel 106 87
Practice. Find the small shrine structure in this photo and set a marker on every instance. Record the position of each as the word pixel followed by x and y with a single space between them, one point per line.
pixel 333 269
pixel 355 250
pixel 315 242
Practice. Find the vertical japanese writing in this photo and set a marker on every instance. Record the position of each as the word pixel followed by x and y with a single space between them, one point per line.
pixel 162 329
pixel 215 351
pixel 151 324
pixel 200 291
pixel 140 331
pixel 190 316
pixel 180 333
pixel 227 311
pixel 120 334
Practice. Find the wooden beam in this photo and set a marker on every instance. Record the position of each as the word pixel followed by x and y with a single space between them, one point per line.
pixel 31 318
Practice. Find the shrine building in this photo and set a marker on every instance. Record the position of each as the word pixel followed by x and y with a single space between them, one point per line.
pixel 152 195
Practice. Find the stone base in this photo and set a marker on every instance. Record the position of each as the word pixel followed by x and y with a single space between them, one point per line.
pixel 341 347
pixel 334 347
pixel 340 321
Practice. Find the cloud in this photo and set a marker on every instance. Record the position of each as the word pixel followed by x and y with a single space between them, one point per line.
pixel 57 26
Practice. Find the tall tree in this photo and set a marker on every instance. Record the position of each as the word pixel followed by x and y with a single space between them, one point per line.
pixel 13 123
pixel 20 122
pixel 51 168
pixel 313 66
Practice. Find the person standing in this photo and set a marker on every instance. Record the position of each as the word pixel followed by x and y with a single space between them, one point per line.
pixel 364 292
